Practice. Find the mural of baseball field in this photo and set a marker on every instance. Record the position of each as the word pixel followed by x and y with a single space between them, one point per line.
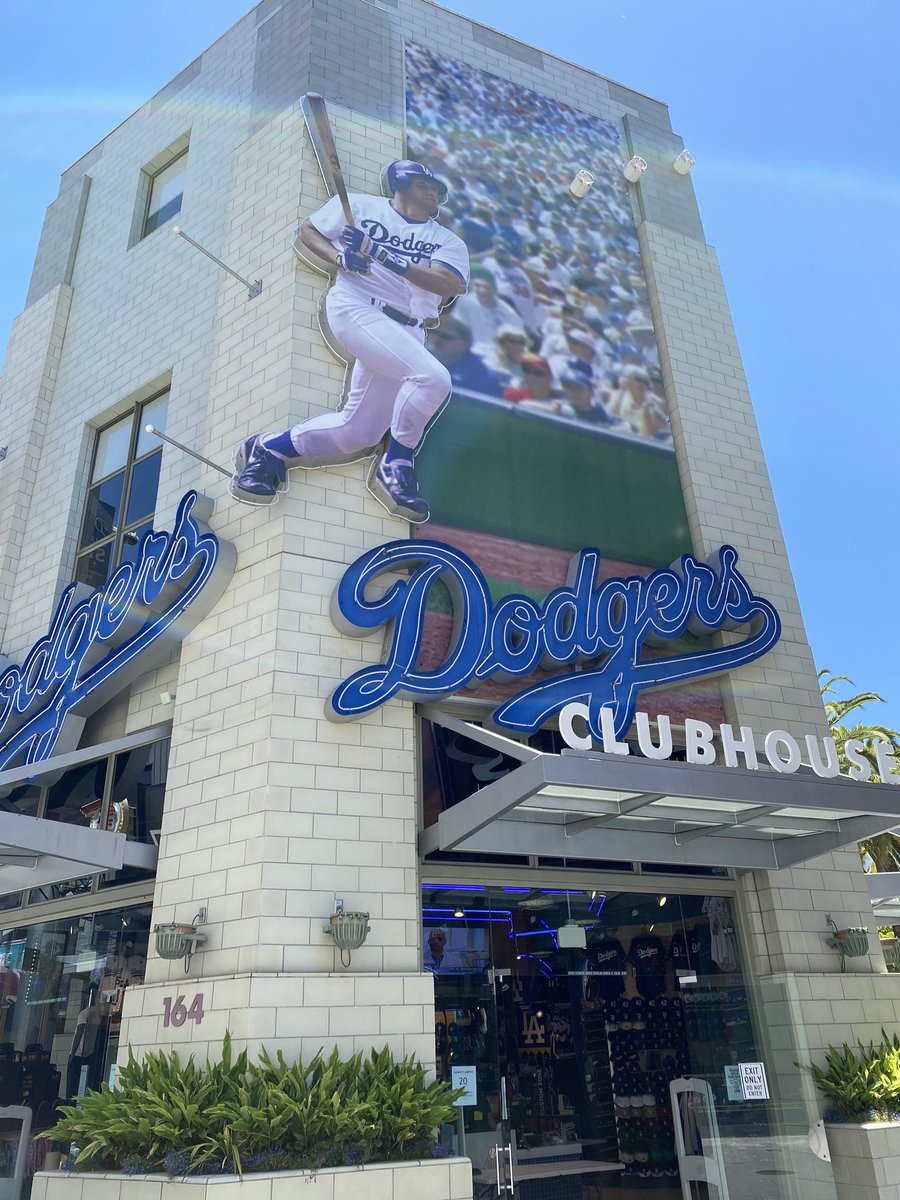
pixel 557 433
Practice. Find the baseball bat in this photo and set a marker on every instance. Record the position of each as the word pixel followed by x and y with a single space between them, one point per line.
pixel 322 137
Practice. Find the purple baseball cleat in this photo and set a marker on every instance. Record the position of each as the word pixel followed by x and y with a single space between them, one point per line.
pixel 259 475
pixel 394 484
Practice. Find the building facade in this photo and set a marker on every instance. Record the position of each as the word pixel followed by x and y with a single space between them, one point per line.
pixel 582 928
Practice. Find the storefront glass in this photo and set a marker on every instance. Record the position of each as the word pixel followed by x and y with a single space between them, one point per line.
pixel 62 984
pixel 577 1010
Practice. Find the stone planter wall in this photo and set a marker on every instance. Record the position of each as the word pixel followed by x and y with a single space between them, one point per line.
pixel 866 1160
pixel 446 1179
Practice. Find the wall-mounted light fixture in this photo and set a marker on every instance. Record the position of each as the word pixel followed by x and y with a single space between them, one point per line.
pixel 180 941
pixel 349 930
pixel 581 184
pixel 634 168
pixel 849 943
pixel 684 162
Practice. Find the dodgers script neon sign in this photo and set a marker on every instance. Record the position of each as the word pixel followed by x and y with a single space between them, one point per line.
pixel 600 630
pixel 95 646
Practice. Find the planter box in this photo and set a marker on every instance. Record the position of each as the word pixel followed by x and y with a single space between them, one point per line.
pixel 866 1160
pixel 442 1179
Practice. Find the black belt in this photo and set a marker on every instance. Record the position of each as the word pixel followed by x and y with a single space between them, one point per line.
pixel 402 318
pixel 396 315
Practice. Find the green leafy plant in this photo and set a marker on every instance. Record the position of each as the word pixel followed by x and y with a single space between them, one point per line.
pixel 861 1084
pixel 234 1115
pixel 881 852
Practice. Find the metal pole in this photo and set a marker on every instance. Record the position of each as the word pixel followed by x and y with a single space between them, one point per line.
pixel 254 287
pixel 193 453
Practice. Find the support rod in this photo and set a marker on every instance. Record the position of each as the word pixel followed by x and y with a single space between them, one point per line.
pixel 254 287
pixel 187 450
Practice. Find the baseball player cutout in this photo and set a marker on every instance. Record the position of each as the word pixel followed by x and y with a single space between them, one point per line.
pixel 396 266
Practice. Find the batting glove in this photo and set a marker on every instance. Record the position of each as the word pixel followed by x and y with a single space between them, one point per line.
pixel 355 239
pixel 349 260
pixel 393 262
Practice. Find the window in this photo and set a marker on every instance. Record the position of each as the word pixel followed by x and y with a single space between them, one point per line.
pixel 121 499
pixel 123 793
pixel 166 192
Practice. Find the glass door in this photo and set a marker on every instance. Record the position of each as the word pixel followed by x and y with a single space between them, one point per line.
pixel 513 1006
pixel 608 1034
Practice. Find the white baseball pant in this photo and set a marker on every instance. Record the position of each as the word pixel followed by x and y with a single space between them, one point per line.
pixel 395 385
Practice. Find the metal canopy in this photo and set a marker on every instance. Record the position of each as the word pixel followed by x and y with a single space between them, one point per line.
pixel 36 852
pixel 591 805
pixel 884 893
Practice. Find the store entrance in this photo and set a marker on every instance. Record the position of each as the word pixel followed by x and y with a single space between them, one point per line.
pixel 574 1011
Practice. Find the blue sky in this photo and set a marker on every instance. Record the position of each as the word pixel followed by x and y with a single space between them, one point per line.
pixel 791 111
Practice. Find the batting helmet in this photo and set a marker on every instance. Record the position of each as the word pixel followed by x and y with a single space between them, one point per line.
pixel 401 173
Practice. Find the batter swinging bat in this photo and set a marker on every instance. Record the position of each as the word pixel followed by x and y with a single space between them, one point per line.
pixel 322 137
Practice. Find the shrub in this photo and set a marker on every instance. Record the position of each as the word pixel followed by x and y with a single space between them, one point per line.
pixel 862 1084
pixel 236 1116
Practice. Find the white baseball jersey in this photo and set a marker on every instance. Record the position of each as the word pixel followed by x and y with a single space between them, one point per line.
pixel 419 241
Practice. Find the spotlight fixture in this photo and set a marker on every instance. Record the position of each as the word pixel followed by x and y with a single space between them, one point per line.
pixel 662 901
pixel 581 184
pixel 634 168
pixel 684 162
pixel 458 912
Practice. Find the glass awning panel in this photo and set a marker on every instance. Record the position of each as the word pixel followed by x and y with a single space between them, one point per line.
pixel 586 804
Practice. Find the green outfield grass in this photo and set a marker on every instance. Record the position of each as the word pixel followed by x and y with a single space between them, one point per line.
pixel 490 467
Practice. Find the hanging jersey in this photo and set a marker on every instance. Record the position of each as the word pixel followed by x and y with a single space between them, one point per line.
pixel 606 961
pixel 424 242
pixel 688 953
pixel 648 959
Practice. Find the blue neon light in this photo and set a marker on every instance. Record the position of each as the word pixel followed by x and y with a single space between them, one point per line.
pixel 134 618
pixel 545 967
pixel 600 630
pixel 457 887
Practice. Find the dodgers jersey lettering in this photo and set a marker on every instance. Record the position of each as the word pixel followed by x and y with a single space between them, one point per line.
pixel 419 241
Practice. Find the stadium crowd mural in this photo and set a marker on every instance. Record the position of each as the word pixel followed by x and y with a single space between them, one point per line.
pixel 557 318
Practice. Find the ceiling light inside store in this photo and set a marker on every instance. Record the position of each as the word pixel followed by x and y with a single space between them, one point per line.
pixel 459 913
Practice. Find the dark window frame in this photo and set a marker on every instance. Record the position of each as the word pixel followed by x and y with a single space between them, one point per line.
pixel 146 227
pixel 84 550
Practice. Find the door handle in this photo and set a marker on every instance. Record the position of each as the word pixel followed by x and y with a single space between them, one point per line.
pixel 497 1165
pixel 511 1186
